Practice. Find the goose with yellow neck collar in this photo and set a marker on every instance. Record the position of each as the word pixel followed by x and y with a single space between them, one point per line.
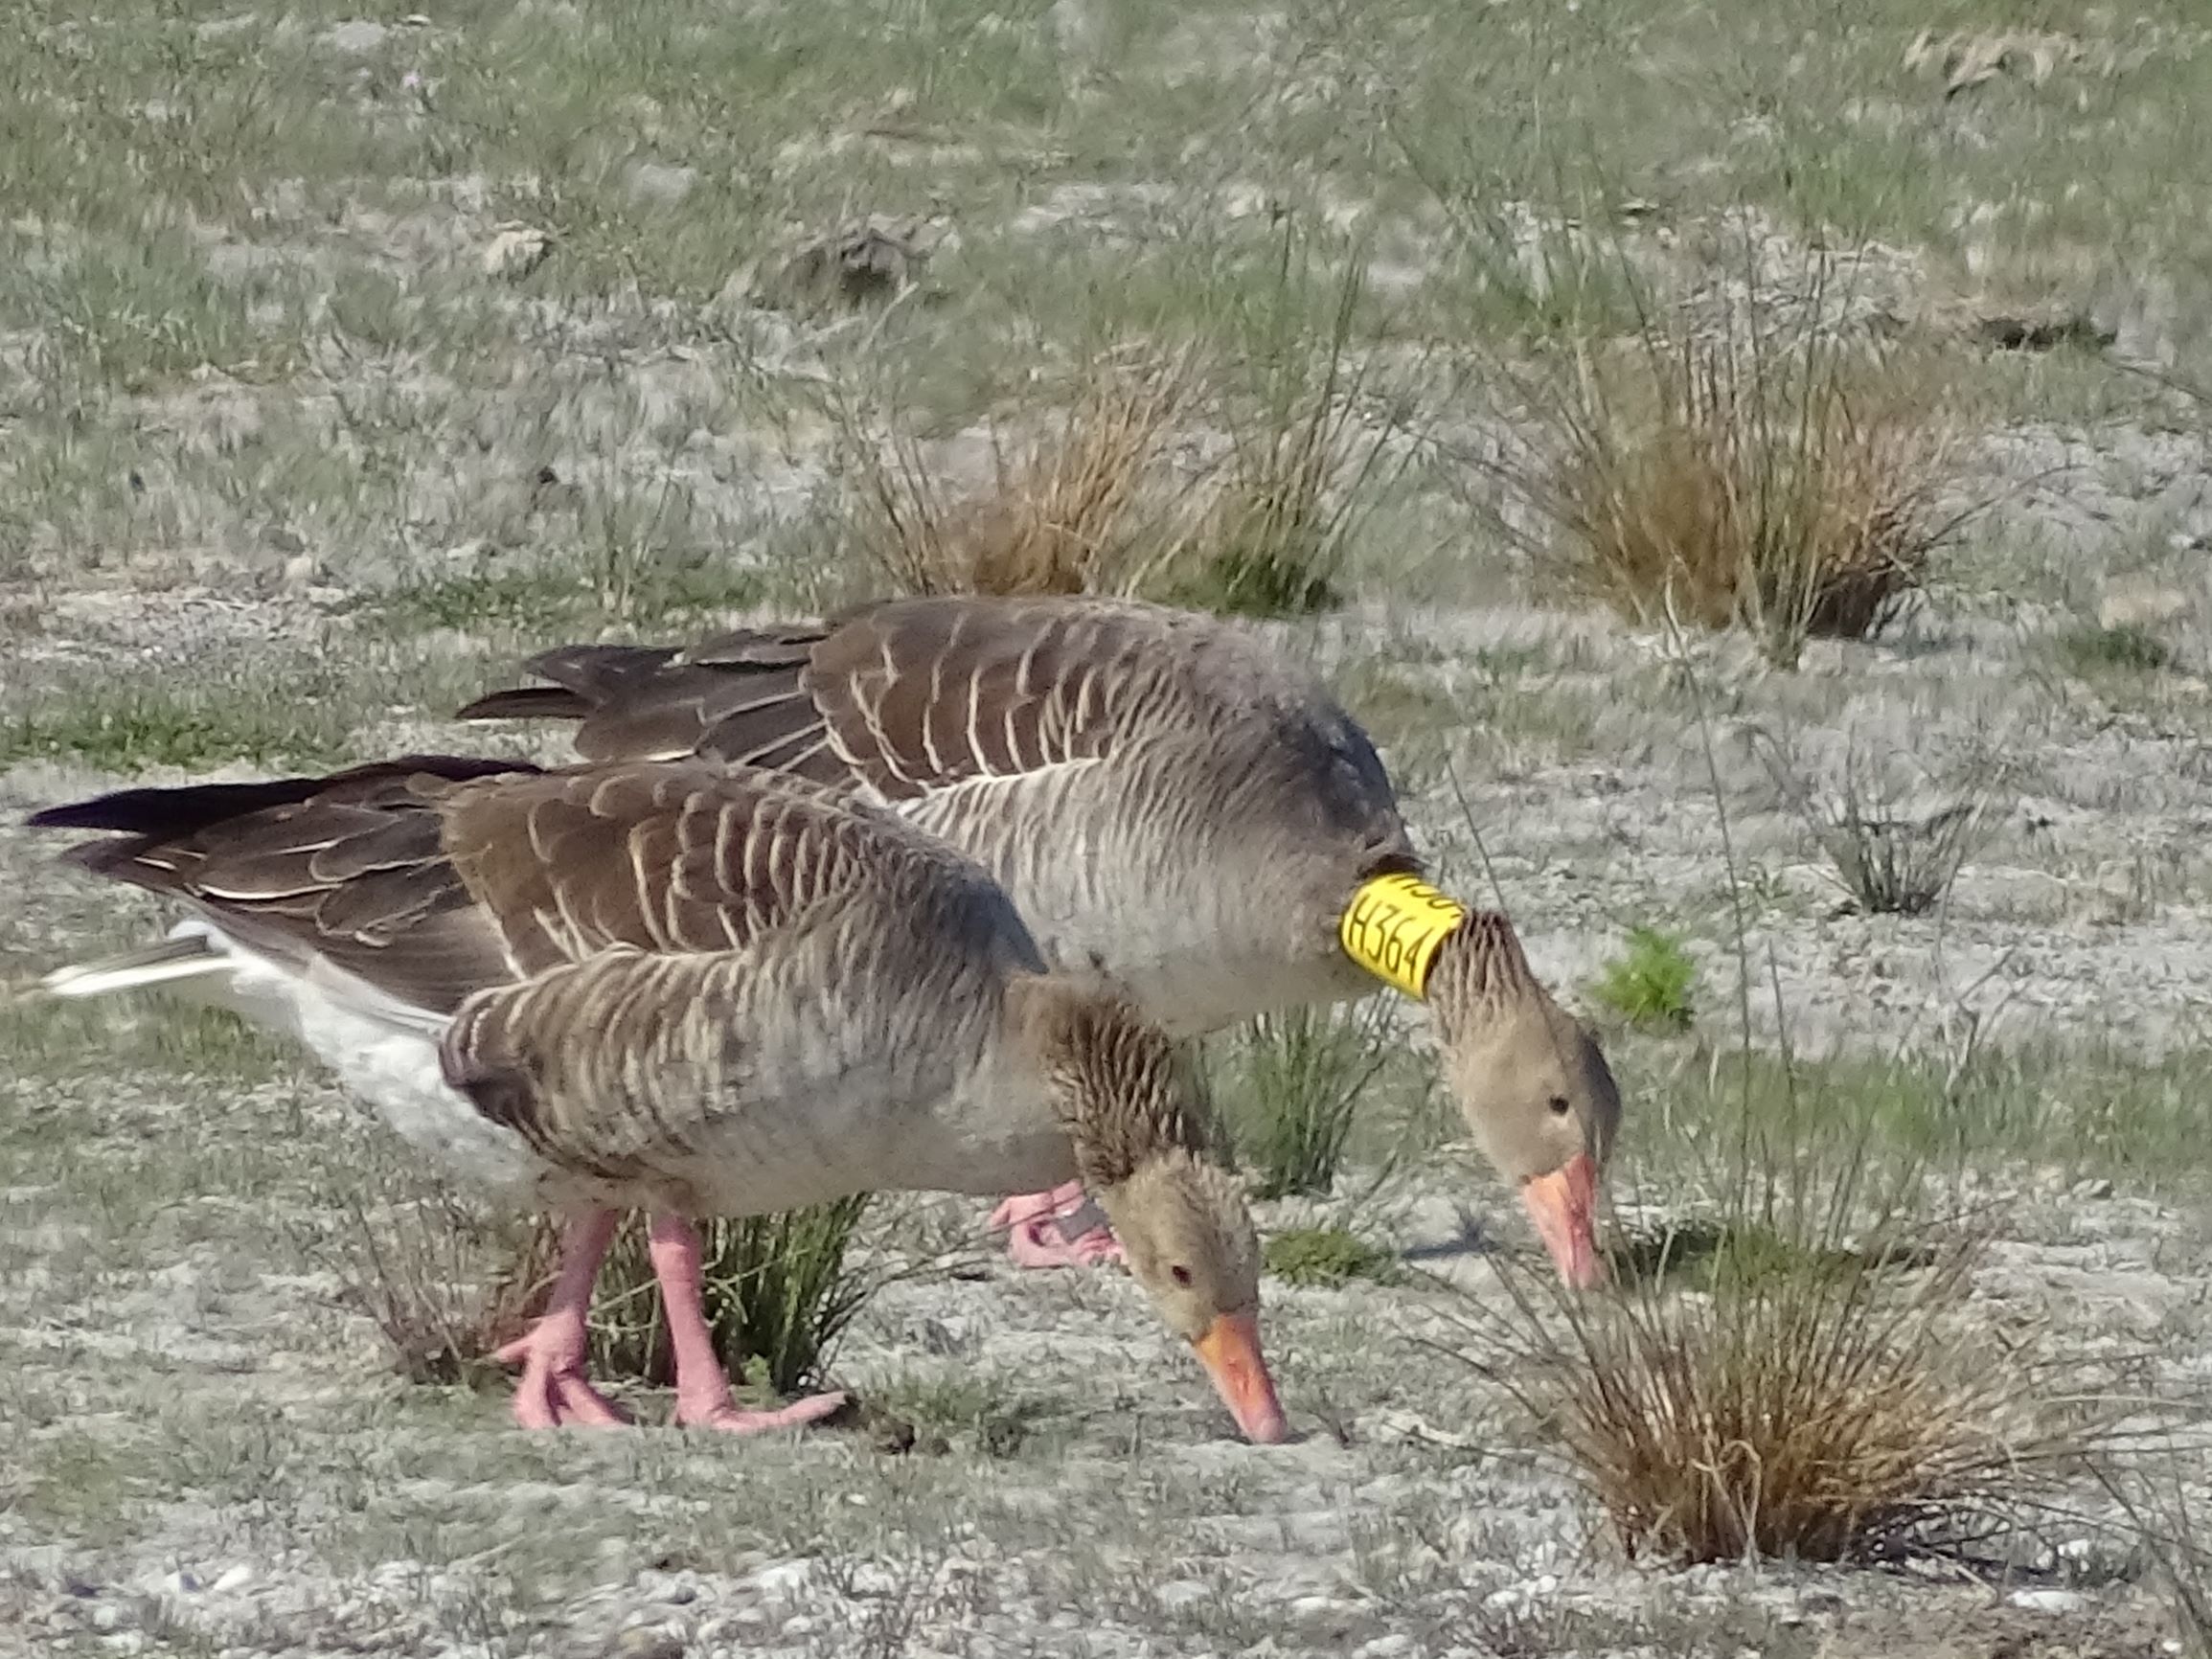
pixel 1166 799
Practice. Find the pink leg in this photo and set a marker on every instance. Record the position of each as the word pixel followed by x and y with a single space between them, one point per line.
pixel 1035 1238
pixel 702 1388
pixel 553 1392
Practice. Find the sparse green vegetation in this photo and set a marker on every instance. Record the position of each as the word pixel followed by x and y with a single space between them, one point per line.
pixel 996 1417
pixel 1652 981
pixel 166 720
pixel 1716 1259
pixel 2090 650
pixel 1292 1083
pixel 542 604
pixel 1327 1257
pixel 168 1035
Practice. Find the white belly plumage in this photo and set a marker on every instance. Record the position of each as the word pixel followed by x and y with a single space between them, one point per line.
pixel 385 1053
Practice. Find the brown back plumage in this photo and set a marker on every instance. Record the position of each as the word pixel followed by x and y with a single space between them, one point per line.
pixel 912 696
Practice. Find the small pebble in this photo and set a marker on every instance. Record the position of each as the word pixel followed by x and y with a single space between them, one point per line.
pixel 2049 1600
pixel 785 1577
pixel 236 1577
pixel 647 1642
pixel 515 251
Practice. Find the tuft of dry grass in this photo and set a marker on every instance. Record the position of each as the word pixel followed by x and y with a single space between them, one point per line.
pixel 1831 1408
pixel 410 1254
pixel 1234 480
pixel 1789 1364
pixel 1763 471
pixel 1085 502
pixel 2162 1496
pixel 1896 834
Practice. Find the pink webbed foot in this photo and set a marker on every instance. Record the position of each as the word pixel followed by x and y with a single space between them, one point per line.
pixel 702 1386
pixel 553 1392
pixel 729 1419
pixel 1037 1234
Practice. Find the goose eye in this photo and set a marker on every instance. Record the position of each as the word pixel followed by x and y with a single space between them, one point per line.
pixel 1181 1274
pixel 1560 1106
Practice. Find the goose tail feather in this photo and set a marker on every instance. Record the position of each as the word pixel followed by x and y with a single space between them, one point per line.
pixel 188 956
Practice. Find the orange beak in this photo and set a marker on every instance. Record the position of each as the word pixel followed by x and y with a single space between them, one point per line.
pixel 1230 1351
pixel 1564 1206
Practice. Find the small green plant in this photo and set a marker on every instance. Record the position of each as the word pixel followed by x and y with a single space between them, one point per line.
pixel 993 1414
pixel 1294 1078
pixel 1707 1255
pixel 1651 983
pixel 778 1293
pixel 2129 649
pixel 1326 1257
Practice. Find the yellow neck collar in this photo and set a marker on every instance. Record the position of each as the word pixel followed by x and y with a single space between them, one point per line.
pixel 1394 926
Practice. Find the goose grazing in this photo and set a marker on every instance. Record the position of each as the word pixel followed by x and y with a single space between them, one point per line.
pixel 690 989
pixel 1164 799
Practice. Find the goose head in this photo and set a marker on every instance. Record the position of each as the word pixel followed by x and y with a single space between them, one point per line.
pixel 1139 1125
pixel 1531 1085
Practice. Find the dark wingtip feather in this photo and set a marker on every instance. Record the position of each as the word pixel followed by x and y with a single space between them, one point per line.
pixel 527 703
pixel 190 807
pixel 140 811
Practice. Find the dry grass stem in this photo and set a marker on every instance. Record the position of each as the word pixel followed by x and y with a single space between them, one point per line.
pixel 415 1263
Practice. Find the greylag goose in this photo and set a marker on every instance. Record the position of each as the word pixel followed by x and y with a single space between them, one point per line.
pixel 1164 798
pixel 690 989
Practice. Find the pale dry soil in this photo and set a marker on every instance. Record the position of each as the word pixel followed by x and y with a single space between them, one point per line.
pixel 286 473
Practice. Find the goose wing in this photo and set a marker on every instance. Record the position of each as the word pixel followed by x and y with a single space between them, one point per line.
pixel 908 696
